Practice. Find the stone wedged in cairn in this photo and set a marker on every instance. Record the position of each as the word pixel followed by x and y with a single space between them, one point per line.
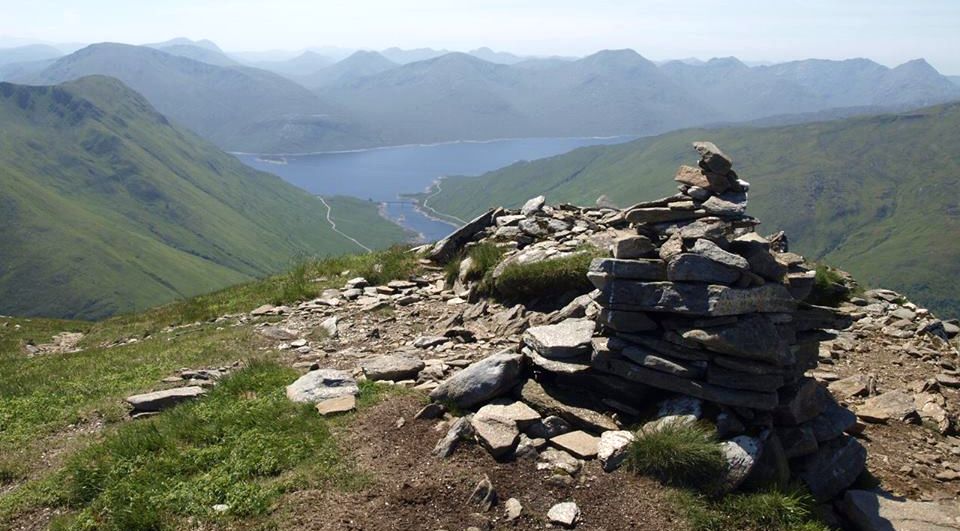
pixel 695 316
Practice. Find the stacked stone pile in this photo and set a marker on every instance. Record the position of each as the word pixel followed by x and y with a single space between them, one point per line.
pixel 699 304
pixel 696 305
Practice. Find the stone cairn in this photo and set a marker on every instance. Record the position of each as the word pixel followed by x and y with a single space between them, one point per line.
pixel 699 304
pixel 695 317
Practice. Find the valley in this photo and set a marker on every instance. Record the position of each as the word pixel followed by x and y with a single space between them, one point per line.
pixel 388 175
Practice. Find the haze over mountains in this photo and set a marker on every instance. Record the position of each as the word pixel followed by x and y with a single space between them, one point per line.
pixel 106 207
pixel 310 103
pixel 876 195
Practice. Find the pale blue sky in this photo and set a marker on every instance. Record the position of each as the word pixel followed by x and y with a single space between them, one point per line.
pixel 887 31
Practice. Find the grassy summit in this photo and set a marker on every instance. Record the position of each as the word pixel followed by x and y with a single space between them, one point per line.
pixel 876 196
pixel 106 207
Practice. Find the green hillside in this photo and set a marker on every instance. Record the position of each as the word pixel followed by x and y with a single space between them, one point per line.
pixel 106 207
pixel 878 196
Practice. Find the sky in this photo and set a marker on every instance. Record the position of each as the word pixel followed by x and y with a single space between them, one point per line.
pixel 890 32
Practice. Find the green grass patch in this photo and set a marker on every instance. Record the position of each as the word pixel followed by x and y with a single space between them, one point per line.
pixel 548 277
pixel 483 258
pixel 242 446
pixel 829 287
pixel 301 282
pixel 680 455
pixel 774 510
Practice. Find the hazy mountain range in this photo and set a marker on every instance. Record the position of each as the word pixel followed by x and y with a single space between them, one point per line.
pixel 107 207
pixel 307 103
pixel 875 195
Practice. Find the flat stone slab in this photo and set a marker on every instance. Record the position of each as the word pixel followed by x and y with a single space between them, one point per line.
pixel 332 406
pixel 856 385
pixel 602 269
pixel 392 367
pixel 629 322
pixel 872 511
pixel 633 246
pixel 160 400
pixel 322 384
pixel 569 339
pixel 661 214
pixel 578 443
pixel 566 404
pixel 695 299
pixel 753 336
pixel 890 406
pixel 566 366
pixel 661 380
pixel 497 434
pixel 513 410
pixel 689 267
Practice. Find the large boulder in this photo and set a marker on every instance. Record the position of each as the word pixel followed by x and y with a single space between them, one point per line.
pixel 488 378
pixel 322 384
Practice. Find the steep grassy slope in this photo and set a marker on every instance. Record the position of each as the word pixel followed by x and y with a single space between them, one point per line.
pixel 106 207
pixel 238 108
pixel 877 195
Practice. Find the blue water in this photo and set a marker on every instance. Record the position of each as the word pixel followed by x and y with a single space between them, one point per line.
pixel 383 174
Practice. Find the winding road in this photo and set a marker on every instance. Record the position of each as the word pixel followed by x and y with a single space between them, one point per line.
pixel 435 212
pixel 333 225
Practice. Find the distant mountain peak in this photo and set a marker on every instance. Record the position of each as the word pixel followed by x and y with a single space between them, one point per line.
pixel 624 58
pixel 728 62
pixel 917 65
pixel 183 41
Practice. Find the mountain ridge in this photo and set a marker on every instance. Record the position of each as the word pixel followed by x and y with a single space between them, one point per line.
pixel 109 207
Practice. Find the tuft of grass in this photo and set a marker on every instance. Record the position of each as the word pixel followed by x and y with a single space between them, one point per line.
pixel 242 445
pixel 484 257
pixel 772 510
pixel 681 455
pixel 10 470
pixel 549 277
pixel 829 287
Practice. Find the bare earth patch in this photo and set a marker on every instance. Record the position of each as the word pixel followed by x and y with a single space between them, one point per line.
pixel 411 489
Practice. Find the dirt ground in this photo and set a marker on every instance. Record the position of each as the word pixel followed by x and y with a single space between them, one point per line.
pixel 411 489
